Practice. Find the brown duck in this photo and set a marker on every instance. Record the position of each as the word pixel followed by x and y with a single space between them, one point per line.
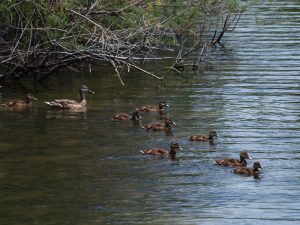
pixel 160 126
pixel 124 116
pixel 71 104
pixel 234 162
pixel 209 137
pixel 20 103
pixel 149 108
pixel 160 151
pixel 249 171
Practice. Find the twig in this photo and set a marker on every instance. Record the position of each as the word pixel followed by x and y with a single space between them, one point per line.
pixel 117 71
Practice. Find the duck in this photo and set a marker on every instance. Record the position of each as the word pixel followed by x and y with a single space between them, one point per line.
pixel 20 103
pixel 149 108
pixel 163 152
pixel 160 126
pixel 209 137
pixel 234 162
pixel 249 171
pixel 71 104
pixel 124 116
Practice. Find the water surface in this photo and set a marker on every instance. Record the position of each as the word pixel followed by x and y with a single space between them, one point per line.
pixel 83 168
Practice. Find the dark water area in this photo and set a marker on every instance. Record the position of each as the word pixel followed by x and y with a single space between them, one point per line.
pixel 83 168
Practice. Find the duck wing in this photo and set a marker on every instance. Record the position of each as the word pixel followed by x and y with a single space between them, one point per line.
pixel 14 103
pixel 222 162
pixel 148 126
pixel 154 151
pixel 56 105
pixel 243 170
pixel 121 116
pixel 228 162
pixel 198 138
pixel 63 104
pixel 147 108
pixel 66 101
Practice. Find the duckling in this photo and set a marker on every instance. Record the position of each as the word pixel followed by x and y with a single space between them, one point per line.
pixel 234 162
pixel 20 103
pixel 71 104
pixel 209 137
pixel 124 116
pixel 149 108
pixel 249 171
pixel 160 126
pixel 159 151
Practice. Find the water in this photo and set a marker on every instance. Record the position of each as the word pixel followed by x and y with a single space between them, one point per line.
pixel 83 168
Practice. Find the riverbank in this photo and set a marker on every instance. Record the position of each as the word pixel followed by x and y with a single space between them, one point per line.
pixel 39 38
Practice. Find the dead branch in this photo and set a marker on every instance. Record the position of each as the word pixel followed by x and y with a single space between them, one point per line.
pixel 35 50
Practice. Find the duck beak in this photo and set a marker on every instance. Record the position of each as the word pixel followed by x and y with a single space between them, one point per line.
pixel 249 157
pixel 167 105
pixel 180 149
pixel 173 122
pixel 90 91
pixel 34 98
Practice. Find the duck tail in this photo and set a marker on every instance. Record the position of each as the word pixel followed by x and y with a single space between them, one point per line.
pixel 192 138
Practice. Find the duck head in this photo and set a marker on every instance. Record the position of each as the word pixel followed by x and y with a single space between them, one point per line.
pixel 135 115
pixel 256 165
pixel 245 155
pixel 169 121
pixel 212 134
pixel 162 104
pixel 84 88
pixel 175 146
pixel 31 96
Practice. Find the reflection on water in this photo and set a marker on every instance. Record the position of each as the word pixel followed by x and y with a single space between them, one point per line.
pixel 66 114
pixel 18 108
pixel 64 167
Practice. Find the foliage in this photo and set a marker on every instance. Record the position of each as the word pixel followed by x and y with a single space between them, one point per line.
pixel 35 32
pixel 56 14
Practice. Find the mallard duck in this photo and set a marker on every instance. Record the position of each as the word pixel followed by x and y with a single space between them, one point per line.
pixel 149 108
pixel 20 103
pixel 124 116
pixel 71 104
pixel 234 162
pixel 209 137
pixel 159 151
pixel 160 126
pixel 249 171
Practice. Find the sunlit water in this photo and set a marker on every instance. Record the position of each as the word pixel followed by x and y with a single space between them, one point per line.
pixel 83 168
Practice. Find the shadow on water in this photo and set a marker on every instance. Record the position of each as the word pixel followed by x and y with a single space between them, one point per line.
pixel 62 167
